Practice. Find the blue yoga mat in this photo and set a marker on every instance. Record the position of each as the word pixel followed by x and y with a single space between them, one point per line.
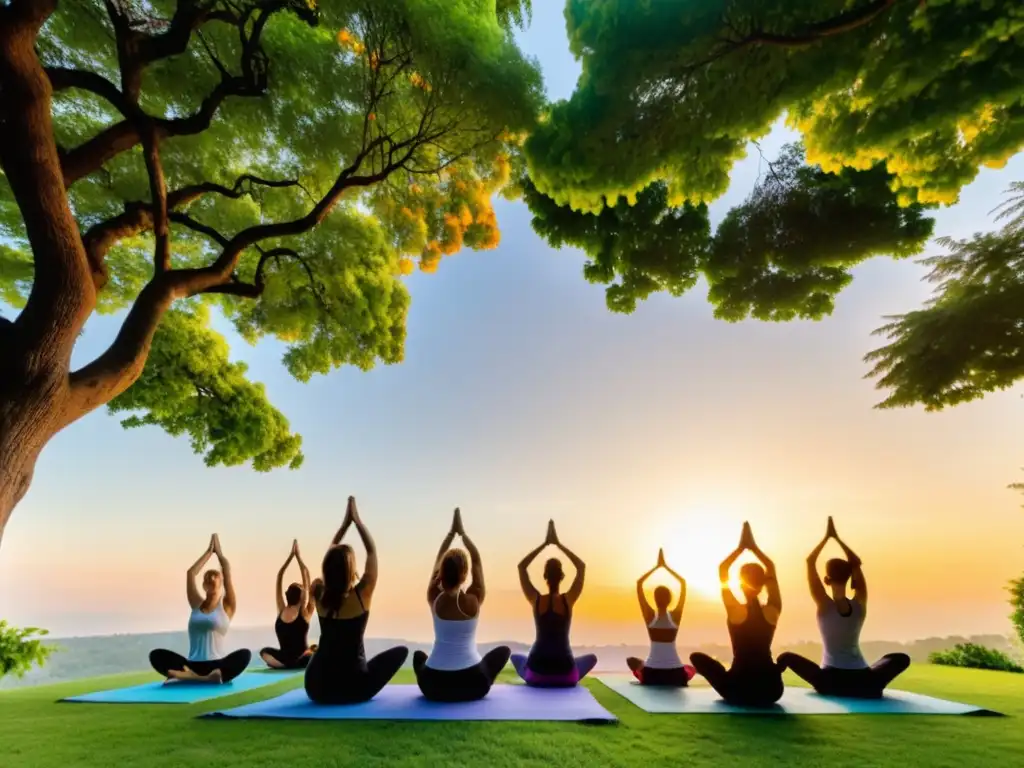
pixel 405 702
pixel 182 692
pixel 703 700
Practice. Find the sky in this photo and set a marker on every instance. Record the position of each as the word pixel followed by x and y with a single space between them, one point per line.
pixel 522 398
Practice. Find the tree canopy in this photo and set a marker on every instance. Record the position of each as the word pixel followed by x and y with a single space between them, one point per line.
pixel 898 103
pixel 284 162
pixel 674 91
pixel 784 253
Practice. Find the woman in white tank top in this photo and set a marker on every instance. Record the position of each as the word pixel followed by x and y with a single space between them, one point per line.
pixel 843 671
pixel 454 670
pixel 663 665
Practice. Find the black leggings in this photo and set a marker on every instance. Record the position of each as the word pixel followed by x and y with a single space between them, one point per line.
pixel 454 685
pixel 327 684
pixel 744 686
pixel 231 666
pixel 866 683
pixel 286 662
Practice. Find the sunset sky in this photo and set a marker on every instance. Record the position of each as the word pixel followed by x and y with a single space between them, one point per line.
pixel 522 398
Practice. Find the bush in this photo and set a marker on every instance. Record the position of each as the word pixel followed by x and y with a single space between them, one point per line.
pixel 975 656
pixel 19 650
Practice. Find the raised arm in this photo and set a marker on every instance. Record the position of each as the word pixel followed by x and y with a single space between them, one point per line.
pixel 773 607
pixel 195 598
pixel 641 597
pixel 677 612
pixel 857 582
pixel 307 604
pixel 581 571
pixel 728 598
pixel 434 588
pixel 369 580
pixel 280 581
pixel 529 591
pixel 477 588
pixel 818 592
pixel 229 585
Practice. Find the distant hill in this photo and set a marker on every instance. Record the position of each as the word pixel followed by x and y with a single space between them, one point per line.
pixel 81 657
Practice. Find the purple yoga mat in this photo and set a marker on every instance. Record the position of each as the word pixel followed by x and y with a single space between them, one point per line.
pixel 405 702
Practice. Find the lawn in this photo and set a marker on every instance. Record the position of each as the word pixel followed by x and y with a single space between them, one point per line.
pixel 37 732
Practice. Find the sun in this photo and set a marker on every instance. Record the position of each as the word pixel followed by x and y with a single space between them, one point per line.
pixel 695 544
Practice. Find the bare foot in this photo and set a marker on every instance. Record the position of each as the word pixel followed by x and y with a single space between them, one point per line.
pixel 272 662
pixel 183 674
pixel 214 677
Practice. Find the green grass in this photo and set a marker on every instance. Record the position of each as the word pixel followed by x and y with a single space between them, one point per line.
pixel 37 732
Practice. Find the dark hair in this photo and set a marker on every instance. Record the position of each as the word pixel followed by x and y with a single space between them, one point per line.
pixel 293 594
pixel 553 573
pixel 339 568
pixel 752 577
pixel 662 596
pixel 454 567
pixel 838 571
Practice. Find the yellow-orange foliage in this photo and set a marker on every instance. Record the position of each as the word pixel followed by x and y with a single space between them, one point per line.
pixel 431 221
pixel 418 81
pixel 347 40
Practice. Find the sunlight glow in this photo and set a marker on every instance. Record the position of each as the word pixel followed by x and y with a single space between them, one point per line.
pixel 695 544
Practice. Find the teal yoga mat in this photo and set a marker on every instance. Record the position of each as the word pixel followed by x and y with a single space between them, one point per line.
pixel 182 692
pixel 703 700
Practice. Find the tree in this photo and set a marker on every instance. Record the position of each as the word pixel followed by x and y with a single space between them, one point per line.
pixel 278 162
pixel 1016 589
pixel 968 340
pixel 19 650
pixel 786 252
pixel 674 91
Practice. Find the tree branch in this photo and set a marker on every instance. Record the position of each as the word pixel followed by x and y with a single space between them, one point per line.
pixel 138 217
pixel 62 78
pixel 812 33
pixel 121 364
pixel 136 50
pixel 158 193
pixel 91 155
pixel 31 13
pixel 346 180
pixel 837 25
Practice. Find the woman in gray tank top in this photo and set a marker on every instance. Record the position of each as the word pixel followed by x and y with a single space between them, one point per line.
pixel 212 611
pixel 843 671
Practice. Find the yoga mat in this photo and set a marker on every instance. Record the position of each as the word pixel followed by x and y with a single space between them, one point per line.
pixel 703 700
pixel 405 702
pixel 182 692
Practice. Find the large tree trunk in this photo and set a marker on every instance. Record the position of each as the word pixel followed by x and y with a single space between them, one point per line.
pixel 35 349
pixel 30 409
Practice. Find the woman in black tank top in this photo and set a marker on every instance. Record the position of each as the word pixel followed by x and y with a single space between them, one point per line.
pixel 754 680
pixel 550 663
pixel 295 607
pixel 338 672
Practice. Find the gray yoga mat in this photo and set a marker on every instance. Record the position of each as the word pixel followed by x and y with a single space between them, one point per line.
pixel 703 700
pixel 405 702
